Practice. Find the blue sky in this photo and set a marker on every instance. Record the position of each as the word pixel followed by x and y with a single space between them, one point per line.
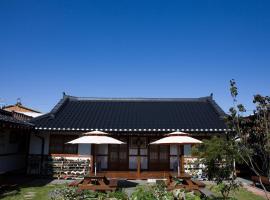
pixel 133 49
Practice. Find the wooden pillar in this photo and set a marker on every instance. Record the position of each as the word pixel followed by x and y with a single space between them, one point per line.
pixel 138 158
pixel 182 166
pixel 138 166
pixel 93 157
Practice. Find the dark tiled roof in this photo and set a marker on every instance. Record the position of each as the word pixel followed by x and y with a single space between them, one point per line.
pixel 7 117
pixel 151 113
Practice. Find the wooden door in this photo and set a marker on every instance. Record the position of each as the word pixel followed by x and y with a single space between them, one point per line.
pixel 118 157
pixel 159 158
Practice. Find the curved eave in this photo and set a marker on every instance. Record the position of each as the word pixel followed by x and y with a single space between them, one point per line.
pixel 132 130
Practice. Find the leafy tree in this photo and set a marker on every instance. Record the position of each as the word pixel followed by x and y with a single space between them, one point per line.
pixel 252 133
pixel 218 155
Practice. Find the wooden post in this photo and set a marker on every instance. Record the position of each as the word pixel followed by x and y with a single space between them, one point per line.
pixel 182 166
pixel 138 166
pixel 178 161
pixel 93 151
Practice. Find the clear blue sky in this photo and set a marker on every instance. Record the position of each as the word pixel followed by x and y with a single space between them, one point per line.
pixel 133 48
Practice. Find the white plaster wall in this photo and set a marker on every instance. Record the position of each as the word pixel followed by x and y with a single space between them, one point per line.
pixel 36 143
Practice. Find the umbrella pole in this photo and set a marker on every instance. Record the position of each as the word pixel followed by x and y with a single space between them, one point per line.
pixel 95 168
pixel 95 160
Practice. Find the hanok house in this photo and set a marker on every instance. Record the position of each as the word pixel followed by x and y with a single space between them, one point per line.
pixel 22 109
pixel 135 121
pixel 14 141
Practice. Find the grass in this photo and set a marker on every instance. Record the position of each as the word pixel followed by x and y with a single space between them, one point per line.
pixel 41 192
pixel 240 194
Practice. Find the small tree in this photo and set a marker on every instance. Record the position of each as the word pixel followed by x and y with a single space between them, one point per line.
pixel 252 133
pixel 218 155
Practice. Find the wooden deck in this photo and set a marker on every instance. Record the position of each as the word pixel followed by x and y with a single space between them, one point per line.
pixel 143 175
pixel 112 177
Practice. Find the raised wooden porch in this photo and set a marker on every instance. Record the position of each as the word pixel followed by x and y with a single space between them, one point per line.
pixel 142 175
pixel 98 182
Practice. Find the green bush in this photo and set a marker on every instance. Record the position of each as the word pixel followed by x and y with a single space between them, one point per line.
pixel 151 192
pixel 145 192
pixel 142 193
pixel 118 195
pixel 66 193
pixel 72 193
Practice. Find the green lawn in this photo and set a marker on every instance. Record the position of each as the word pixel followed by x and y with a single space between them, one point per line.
pixel 241 194
pixel 38 193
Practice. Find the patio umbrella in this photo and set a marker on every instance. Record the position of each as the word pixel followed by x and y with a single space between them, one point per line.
pixel 95 137
pixel 178 138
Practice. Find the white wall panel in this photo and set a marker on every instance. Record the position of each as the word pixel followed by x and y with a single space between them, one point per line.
pixel 84 149
pixel 132 162
pixel 36 144
pixel 187 150
pixel 173 149
pixel 173 163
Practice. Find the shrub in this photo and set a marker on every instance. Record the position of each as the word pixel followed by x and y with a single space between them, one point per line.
pixel 118 195
pixel 66 193
pixel 142 193
pixel 72 193
pixel 151 192
pixel 182 194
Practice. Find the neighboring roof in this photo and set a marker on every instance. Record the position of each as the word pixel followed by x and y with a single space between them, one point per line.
pixel 31 114
pixel 18 107
pixel 7 117
pixel 134 114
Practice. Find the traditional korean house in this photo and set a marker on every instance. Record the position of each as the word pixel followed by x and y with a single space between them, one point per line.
pixel 135 121
pixel 14 142
pixel 26 112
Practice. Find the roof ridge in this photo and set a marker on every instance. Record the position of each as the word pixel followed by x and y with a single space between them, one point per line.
pixel 136 98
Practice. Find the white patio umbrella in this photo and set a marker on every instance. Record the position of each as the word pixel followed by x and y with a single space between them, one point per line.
pixel 179 138
pixel 95 137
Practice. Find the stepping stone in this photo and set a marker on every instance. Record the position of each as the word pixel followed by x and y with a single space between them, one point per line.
pixel 29 195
